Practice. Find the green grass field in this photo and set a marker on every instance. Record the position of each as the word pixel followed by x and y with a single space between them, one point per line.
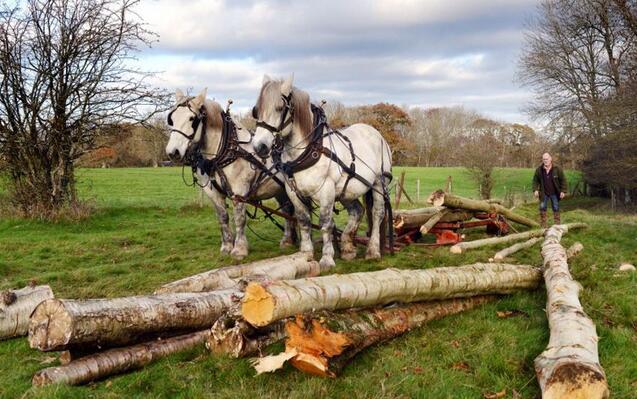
pixel 149 228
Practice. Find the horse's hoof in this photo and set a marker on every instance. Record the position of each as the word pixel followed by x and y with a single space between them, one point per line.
pixel 239 253
pixel 326 263
pixel 286 244
pixel 370 255
pixel 226 249
pixel 349 255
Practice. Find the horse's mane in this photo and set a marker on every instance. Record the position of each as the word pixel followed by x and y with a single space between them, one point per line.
pixel 300 102
pixel 214 110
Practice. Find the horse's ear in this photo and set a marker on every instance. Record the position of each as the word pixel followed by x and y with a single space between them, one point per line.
pixel 179 95
pixel 286 87
pixel 266 79
pixel 201 97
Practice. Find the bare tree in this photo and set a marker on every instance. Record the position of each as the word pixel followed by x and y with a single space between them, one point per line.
pixel 66 74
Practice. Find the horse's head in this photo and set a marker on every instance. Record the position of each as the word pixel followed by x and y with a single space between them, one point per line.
pixel 274 113
pixel 186 121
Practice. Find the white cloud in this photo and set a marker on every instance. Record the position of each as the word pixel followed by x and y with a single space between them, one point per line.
pixel 358 51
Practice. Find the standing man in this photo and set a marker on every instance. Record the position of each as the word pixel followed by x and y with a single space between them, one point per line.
pixel 549 183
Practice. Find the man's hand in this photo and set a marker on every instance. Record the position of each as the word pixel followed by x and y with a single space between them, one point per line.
pixel 536 194
pixel 562 195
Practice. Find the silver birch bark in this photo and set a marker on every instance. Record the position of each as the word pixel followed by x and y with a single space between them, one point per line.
pixel 569 366
pixel 117 361
pixel 60 324
pixel 265 303
pixel 463 246
pixel 17 306
pixel 287 267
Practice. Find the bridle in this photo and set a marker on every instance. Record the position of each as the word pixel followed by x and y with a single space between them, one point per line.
pixel 198 118
pixel 285 121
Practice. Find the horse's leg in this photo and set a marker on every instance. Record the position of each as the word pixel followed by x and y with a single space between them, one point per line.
pixel 240 249
pixel 378 213
pixel 219 202
pixel 355 211
pixel 304 220
pixel 289 233
pixel 326 220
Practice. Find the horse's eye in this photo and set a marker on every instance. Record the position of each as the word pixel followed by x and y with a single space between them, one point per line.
pixel 192 118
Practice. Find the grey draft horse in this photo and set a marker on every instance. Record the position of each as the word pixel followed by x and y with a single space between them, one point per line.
pixel 196 124
pixel 324 165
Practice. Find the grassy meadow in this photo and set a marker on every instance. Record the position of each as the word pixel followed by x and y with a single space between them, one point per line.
pixel 149 228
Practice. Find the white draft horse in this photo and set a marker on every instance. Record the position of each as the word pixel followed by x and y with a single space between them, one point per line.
pixel 323 165
pixel 196 127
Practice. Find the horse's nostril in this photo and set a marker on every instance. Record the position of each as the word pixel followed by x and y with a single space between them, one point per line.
pixel 262 149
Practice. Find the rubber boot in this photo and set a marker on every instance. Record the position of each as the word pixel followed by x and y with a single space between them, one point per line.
pixel 556 218
pixel 543 219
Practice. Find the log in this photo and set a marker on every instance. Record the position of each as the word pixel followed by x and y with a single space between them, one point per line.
pixel 116 361
pixel 287 267
pixel 424 229
pixel 574 250
pixel 569 367
pixel 266 303
pixel 62 324
pixel 326 341
pixel 414 218
pixel 236 337
pixel 463 246
pixel 440 198
pixel 500 255
pixel 17 305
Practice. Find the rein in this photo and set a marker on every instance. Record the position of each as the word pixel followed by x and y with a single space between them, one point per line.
pixel 228 151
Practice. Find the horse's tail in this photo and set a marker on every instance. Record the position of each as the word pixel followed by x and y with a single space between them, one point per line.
pixel 369 203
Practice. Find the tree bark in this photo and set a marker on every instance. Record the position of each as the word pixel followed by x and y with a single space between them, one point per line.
pixel 500 255
pixel 16 307
pixel 569 367
pixel 117 361
pixel 326 341
pixel 288 267
pixel 265 303
pixel 440 198
pixel 424 229
pixel 236 337
pixel 61 324
pixel 463 246
pixel 414 218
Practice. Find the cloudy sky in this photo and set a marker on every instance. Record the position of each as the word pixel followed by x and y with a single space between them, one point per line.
pixel 425 53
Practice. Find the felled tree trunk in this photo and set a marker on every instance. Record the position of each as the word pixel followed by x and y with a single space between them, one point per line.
pixel 61 324
pixel 236 337
pixel 281 268
pixel 414 218
pixel 326 341
pixel 116 361
pixel 440 198
pixel 429 224
pixel 569 367
pixel 500 255
pixel 17 305
pixel 463 246
pixel 265 303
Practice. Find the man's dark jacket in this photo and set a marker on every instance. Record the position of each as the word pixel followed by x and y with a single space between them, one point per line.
pixel 558 178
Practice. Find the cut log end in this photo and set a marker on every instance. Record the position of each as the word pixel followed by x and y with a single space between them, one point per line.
pixel 575 381
pixel 42 378
pixel 437 198
pixel 312 364
pixel 257 307
pixel 49 326
pixel 456 249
